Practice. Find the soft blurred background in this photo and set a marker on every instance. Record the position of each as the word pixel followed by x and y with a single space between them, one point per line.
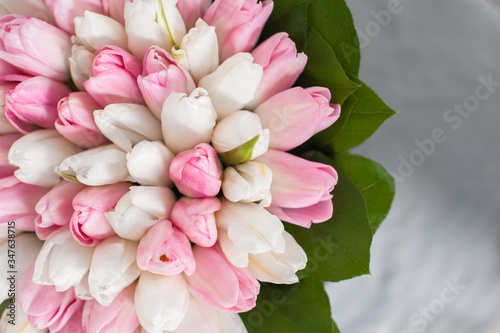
pixel 436 259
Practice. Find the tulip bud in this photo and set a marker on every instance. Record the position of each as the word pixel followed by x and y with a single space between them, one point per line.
pixel 195 217
pixel 76 120
pixel 233 84
pixel 111 65
pixel 35 46
pixel 5 126
pixel 139 209
pixel 80 63
pixel 127 124
pixel 113 268
pixel 33 8
pixel 66 11
pixel 21 324
pixel 37 154
pixel 17 203
pixel 114 9
pixel 162 76
pixel 300 188
pixel 239 137
pixel 198 52
pixel 33 103
pixel 149 162
pixel 248 182
pixel 96 31
pixel 197 173
pixel 295 115
pixel 6 141
pixel 102 165
pixel 244 228
pixel 45 307
pixel 161 301
pixel 187 121
pixel 282 66
pixel 238 23
pixel 165 250
pixel 88 223
pixel 191 10
pixel 203 318
pixel 62 262
pixel 279 268
pixel 220 284
pixel 119 316
pixel 153 22
pixel 55 209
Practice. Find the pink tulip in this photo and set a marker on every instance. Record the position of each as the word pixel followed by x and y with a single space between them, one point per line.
pixel 88 223
pixel 65 11
pixel 195 217
pixel 282 66
pixel 115 77
pixel 33 103
pixel 55 209
pixel 220 284
pixel 119 316
pixel 6 69
pixel 45 307
pixel 162 76
pixel 74 323
pixel 114 9
pixel 76 120
pixel 238 24
pixel 197 172
pixel 296 114
pixel 300 188
pixel 191 10
pixel 35 46
pixel 6 141
pixel 17 202
pixel 165 250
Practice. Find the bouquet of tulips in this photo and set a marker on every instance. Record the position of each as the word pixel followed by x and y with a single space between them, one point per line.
pixel 168 165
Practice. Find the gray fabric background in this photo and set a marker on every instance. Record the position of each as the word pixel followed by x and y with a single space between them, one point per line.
pixel 436 259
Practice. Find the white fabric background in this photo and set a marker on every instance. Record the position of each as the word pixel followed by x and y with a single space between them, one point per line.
pixel 444 226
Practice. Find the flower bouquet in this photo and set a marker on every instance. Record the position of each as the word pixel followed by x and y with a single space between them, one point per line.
pixel 168 166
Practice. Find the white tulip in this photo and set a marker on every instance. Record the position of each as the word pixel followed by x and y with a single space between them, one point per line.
pixel 139 209
pixel 62 262
pixel 113 268
pixel 82 290
pixel 18 322
pixel 279 268
pixel 245 229
pixel 237 129
pixel 233 84
pixel 80 63
pixel 199 51
pixel 37 154
pixel 248 182
pixel 152 22
pixel 149 162
pixel 27 247
pixel 127 124
pixel 187 121
pixel 97 166
pixel 96 30
pixel 203 318
pixel 161 301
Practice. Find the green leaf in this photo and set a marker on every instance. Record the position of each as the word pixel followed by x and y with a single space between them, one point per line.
pixel 299 308
pixel 362 114
pixel 320 41
pixel 335 328
pixel 240 154
pixel 4 305
pixel 339 248
pixel 376 184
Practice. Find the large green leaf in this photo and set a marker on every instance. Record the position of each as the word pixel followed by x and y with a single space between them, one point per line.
pixel 362 114
pixel 318 27
pixel 339 248
pixel 300 308
pixel 376 184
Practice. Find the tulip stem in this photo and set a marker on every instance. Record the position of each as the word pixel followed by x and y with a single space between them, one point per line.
pixel 162 10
